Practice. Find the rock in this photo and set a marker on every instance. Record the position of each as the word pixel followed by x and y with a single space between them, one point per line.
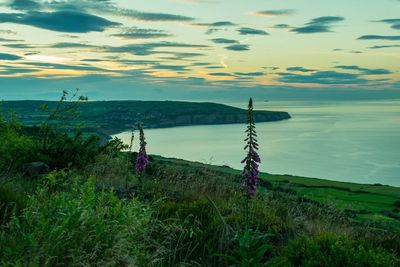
pixel 34 169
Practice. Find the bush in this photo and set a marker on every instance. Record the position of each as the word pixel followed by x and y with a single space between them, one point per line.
pixel 64 151
pixel 15 148
pixel 331 250
pixel 75 226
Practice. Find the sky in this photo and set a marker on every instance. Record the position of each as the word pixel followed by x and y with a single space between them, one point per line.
pixel 200 49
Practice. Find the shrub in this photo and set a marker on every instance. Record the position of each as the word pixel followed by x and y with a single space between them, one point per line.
pixel 331 250
pixel 75 226
pixel 15 148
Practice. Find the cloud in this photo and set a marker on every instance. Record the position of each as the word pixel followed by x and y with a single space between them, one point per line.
pixel 365 71
pixel 9 40
pixel 383 46
pixel 251 31
pixel 221 74
pixel 7 32
pixel 238 47
pixel 215 26
pixel 276 12
pixel 71 45
pixel 170 67
pixel 182 55
pixel 146 49
pixel 250 74
pixel 148 16
pixel 300 69
pixel 323 77
pixel 281 26
pixel 19 46
pixel 138 62
pixel 318 25
pixel 109 7
pixel 24 4
pixel 91 60
pixel 16 70
pixel 61 21
pixel 138 33
pixel 58 66
pixel 215 67
pixel 380 37
pixel 224 41
pixel 394 23
pixel 4 56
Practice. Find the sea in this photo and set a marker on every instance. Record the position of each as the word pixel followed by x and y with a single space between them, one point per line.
pixel 351 141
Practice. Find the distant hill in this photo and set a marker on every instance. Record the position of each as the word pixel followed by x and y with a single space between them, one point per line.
pixel 111 117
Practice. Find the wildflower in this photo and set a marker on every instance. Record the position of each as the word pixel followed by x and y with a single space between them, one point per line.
pixel 252 159
pixel 142 159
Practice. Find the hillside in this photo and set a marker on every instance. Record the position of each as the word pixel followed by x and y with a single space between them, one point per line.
pixel 66 200
pixel 111 117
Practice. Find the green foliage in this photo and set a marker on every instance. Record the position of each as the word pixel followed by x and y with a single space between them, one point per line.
pixel 15 148
pixel 65 151
pixel 332 250
pixel 75 226
pixel 12 201
pixel 250 249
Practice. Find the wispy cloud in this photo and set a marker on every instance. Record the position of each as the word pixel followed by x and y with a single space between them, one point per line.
pixel 224 41
pixel 250 74
pixel 276 12
pixel 215 26
pixel 319 25
pixel 383 46
pixel 300 69
pixel 148 48
pixel 365 71
pixel 19 46
pixel 394 23
pixel 251 31
pixel 238 47
pixel 4 56
pixel 138 33
pixel 380 37
pixel 24 4
pixel 323 78
pixel 71 45
pixel 62 21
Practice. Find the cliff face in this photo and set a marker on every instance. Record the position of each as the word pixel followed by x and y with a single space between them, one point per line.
pixel 201 119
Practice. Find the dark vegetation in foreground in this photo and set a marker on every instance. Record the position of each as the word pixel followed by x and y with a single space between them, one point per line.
pixel 111 117
pixel 65 200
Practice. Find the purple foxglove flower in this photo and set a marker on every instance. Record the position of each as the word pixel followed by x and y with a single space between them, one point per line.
pixel 142 159
pixel 252 158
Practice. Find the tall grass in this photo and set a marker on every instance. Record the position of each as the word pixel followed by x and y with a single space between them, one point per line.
pixel 69 223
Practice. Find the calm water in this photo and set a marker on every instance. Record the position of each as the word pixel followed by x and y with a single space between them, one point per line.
pixel 344 141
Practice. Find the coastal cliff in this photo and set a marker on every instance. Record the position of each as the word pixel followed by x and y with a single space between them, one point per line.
pixel 111 117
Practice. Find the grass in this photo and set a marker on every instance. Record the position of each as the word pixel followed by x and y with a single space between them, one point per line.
pixel 376 200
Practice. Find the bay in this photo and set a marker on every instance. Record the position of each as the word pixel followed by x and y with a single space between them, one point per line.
pixel 352 141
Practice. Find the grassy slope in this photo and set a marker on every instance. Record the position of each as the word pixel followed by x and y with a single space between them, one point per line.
pixel 367 202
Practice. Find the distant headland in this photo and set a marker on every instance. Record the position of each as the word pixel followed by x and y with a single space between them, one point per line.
pixel 111 117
